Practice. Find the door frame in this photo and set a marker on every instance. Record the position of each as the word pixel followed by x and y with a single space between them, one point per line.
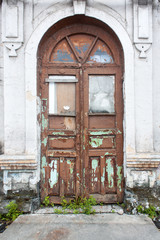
pixel 50 66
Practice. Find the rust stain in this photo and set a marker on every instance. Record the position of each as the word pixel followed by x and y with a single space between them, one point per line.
pixel 57 234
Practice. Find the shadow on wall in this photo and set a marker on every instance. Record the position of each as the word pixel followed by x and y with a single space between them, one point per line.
pixel 1 148
pixel 1 182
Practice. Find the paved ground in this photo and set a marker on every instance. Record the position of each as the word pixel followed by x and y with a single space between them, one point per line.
pixel 111 226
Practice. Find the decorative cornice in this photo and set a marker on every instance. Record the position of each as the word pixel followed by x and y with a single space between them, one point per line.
pixel 17 162
pixel 143 164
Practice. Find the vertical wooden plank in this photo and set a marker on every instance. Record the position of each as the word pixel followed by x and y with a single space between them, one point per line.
pixel 44 136
pixel 78 138
pixel 81 122
pixel 62 175
pixel 119 136
pixel 103 174
pixel 69 176
pixel 85 131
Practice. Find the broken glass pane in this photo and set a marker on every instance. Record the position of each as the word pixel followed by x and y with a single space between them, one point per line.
pixel 101 94
pixel 101 54
pixel 62 53
pixel 81 42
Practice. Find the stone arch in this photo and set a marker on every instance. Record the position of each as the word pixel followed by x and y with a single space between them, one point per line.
pixel 33 104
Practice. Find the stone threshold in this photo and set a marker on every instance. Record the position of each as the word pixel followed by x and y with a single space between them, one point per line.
pixel 112 208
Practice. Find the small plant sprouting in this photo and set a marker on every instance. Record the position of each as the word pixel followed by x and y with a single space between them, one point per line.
pixel 75 211
pixel 64 202
pixel 151 211
pixel 121 205
pixel 13 212
pixel 58 211
pixel 46 202
pixel 78 205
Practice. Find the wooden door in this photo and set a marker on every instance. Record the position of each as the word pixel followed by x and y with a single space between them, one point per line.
pixel 82 114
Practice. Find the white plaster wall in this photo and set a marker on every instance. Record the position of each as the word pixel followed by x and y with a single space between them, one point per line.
pixel 40 5
pixel 109 6
pixel 141 78
pixel 156 75
pixel 14 104
pixel 143 102
pixel 1 87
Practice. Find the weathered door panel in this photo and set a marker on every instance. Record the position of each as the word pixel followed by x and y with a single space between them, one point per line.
pixel 60 147
pixel 103 148
pixel 81 116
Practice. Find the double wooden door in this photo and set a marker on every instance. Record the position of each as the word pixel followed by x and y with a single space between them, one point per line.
pixel 81 116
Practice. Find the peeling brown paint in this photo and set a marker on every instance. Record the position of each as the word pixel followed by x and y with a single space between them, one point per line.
pixel 80 152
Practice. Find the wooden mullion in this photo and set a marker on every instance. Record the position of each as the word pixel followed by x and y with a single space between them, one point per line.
pixel 90 49
pixel 73 49
pixel 103 173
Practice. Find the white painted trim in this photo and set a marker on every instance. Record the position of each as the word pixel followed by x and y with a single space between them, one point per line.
pixel 149 156
pixel 32 129
pixel 17 157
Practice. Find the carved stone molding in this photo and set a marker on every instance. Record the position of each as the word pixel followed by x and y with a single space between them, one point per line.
pixel 12 24
pixel 142 22
pixel 143 48
pixel 79 6
pixel 12 48
pixel 142 11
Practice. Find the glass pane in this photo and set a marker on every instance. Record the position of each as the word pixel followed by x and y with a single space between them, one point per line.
pixel 62 53
pixel 62 98
pixel 81 42
pixel 101 94
pixel 101 54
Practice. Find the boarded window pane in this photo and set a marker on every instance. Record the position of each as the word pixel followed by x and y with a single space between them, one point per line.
pixel 62 98
pixel 101 94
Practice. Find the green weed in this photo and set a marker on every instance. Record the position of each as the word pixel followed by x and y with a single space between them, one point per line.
pixel 75 211
pixel 151 211
pixel 121 205
pixel 46 202
pixel 85 204
pixel 58 211
pixel 12 213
